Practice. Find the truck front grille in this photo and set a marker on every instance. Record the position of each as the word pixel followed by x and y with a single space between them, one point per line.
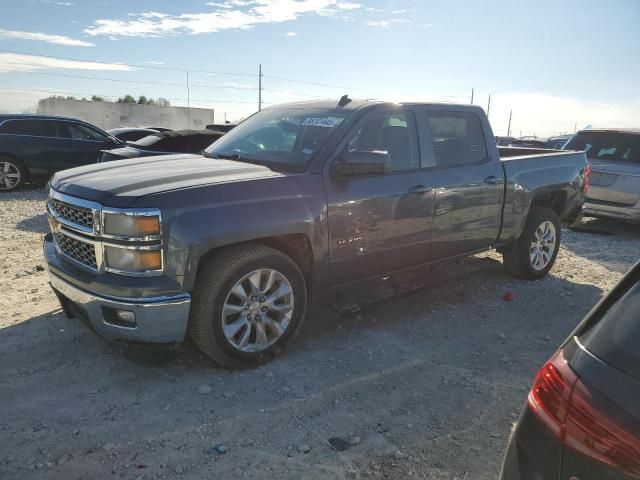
pixel 82 252
pixel 72 213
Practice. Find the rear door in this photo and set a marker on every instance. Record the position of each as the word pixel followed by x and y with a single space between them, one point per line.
pixel 468 181
pixel 36 141
pixel 86 143
pixel 615 164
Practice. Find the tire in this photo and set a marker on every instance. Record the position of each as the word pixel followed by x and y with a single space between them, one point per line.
pixel 13 174
pixel 526 260
pixel 215 304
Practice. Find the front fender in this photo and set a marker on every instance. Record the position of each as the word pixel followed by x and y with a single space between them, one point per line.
pixel 229 214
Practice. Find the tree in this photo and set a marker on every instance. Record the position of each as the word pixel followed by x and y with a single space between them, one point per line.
pixel 96 98
pixel 163 102
pixel 127 99
pixel 142 100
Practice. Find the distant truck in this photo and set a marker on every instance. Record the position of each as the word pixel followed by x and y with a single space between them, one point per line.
pixel 297 199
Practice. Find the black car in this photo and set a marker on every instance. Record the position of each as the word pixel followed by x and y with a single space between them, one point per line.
pixel 582 417
pixel 221 127
pixel 129 134
pixel 33 147
pixel 164 143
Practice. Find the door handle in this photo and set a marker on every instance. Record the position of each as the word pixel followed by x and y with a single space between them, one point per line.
pixel 492 180
pixel 420 190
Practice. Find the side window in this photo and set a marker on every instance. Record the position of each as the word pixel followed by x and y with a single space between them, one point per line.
pixel 391 132
pixel 457 138
pixel 37 128
pixel 78 131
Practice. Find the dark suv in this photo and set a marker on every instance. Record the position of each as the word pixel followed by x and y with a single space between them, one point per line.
pixel 33 147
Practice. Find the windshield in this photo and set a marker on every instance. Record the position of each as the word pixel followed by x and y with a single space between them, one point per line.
pixel 280 137
pixel 623 147
pixel 149 140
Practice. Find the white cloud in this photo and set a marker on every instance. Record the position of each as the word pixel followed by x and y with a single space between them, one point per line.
pixel 15 62
pixel 378 23
pixel 60 4
pixel 44 37
pixel 291 34
pixel 228 15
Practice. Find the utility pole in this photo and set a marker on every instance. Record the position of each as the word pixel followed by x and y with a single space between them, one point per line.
pixel 488 105
pixel 225 117
pixel 259 87
pixel 509 127
pixel 188 103
pixel 575 127
pixel 472 96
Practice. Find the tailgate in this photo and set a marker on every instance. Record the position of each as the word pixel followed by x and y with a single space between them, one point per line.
pixel 615 182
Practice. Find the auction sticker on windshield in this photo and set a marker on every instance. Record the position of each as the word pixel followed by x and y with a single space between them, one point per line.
pixel 327 122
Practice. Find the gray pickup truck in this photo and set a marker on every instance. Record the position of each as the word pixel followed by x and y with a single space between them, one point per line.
pixel 228 246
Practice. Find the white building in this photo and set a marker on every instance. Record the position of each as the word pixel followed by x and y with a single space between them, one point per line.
pixel 108 115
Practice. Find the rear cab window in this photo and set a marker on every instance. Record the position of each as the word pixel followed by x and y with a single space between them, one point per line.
pixel 611 146
pixel 614 335
pixel 458 138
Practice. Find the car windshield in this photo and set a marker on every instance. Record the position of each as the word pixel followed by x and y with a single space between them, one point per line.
pixel 283 138
pixel 621 147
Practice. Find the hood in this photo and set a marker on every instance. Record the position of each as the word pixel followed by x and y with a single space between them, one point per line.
pixel 118 183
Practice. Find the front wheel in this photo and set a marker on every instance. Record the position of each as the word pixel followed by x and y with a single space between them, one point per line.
pixel 12 174
pixel 247 303
pixel 535 252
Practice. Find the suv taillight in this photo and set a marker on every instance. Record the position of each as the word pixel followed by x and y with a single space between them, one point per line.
pixel 585 182
pixel 582 419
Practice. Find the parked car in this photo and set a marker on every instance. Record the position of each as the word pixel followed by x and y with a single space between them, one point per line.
pixel 504 141
pixel 33 147
pixel 529 142
pixel 164 143
pixel 159 129
pixel 221 127
pixel 582 416
pixel 557 142
pixel 614 155
pixel 297 199
pixel 129 134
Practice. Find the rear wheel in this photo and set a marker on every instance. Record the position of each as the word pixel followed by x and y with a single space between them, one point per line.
pixel 535 252
pixel 12 174
pixel 247 303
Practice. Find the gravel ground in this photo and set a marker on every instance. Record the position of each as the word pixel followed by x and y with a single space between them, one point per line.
pixel 419 383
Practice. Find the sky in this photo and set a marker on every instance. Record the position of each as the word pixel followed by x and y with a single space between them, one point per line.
pixel 556 65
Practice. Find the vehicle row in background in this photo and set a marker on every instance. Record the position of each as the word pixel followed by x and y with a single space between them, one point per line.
pixel 34 147
pixel 164 143
pixel 554 143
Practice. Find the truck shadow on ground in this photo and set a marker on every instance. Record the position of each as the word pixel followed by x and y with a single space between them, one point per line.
pixel 406 370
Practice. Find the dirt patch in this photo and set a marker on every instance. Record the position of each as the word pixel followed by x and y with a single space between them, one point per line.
pixel 404 383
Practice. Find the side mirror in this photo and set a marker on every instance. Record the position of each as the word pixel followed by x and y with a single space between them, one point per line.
pixel 355 164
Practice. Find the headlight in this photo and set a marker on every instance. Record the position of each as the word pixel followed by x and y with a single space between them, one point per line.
pixel 132 224
pixel 133 261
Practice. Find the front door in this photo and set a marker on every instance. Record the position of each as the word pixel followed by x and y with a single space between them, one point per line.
pixel 380 223
pixel 86 143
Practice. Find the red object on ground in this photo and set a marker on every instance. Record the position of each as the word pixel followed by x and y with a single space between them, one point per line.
pixel 509 297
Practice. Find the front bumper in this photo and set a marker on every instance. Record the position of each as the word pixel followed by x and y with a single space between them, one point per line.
pixel 601 209
pixel 158 319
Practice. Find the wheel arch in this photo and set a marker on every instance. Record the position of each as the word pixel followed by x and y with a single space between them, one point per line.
pixel 297 246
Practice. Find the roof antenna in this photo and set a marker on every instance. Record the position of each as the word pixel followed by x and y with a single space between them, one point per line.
pixel 344 100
